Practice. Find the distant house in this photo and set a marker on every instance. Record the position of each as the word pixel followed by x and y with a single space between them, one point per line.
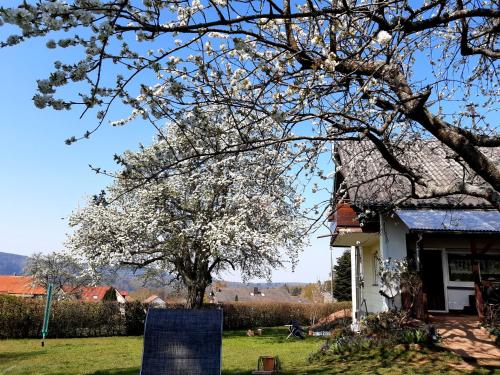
pixel 155 301
pixel 253 295
pixel 24 286
pixel 98 293
pixel 20 286
pixel 452 242
pixel 125 294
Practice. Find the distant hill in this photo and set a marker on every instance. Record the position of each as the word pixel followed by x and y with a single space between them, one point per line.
pixel 11 264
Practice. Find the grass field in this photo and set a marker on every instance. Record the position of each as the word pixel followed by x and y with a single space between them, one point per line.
pixel 121 355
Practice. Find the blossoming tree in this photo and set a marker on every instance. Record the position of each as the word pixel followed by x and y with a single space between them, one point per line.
pixel 66 274
pixel 388 72
pixel 201 217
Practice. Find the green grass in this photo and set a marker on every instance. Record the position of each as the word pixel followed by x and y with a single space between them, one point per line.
pixel 121 355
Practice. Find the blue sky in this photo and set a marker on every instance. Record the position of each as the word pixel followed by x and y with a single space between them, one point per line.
pixel 43 179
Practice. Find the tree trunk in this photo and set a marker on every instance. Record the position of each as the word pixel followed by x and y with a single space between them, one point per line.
pixel 195 294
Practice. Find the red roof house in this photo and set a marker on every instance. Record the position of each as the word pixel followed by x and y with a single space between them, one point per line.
pixel 97 293
pixel 21 286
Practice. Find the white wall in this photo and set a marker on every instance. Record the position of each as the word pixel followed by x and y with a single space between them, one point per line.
pixel 371 289
pixel 392 245
pixel 392 237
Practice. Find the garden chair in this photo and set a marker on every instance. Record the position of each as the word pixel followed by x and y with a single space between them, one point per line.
pixel 295 330
pixel 181 342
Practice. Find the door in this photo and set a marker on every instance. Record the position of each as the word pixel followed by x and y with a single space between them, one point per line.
pixel 432 279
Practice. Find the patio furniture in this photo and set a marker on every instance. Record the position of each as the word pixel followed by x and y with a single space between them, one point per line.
pixel 181 342
pixel 295 330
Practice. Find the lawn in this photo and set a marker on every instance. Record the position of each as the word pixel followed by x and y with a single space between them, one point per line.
pixel 121 355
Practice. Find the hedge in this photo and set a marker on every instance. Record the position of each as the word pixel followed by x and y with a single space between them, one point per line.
pixel 242 315
pixel 22 317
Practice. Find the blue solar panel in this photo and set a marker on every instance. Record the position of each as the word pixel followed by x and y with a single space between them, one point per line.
pixel 451 220
pixel 181 342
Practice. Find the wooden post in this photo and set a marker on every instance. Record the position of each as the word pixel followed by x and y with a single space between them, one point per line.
pixel 477 281
pixel 420 308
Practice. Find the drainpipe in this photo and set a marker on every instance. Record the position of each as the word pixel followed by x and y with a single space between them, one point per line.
pixel 354 290
pixel 421 303
pixel 418 250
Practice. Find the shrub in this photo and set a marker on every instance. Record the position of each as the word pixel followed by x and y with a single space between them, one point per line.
pixel 335 325
pixel 244 315
pixel 492 320
pixel 23 317
pixel 384 321
pixel 135 316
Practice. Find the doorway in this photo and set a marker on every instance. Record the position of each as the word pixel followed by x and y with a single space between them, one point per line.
pixel 432 279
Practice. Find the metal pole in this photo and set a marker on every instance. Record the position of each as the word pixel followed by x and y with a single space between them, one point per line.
pixel 331 271
pixel 46 316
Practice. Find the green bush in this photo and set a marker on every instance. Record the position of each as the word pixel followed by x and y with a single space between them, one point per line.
pixel 135 316
pixel 23 317
pixel 244 315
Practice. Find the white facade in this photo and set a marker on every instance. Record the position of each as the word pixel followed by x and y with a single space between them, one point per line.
pixel 389 243
pixel 392 243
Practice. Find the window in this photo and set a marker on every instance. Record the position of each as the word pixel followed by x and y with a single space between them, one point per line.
pixel 490 267
pixel 460 267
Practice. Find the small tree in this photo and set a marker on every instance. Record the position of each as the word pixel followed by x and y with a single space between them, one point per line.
pixel 396 276
pixel 63 271
pixel 342 280
pixel 312 292
pixel 202 216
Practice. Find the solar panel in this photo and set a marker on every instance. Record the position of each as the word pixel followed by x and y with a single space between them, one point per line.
pixel 182 342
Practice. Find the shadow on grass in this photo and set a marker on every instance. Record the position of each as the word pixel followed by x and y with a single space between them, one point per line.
pixel 18 356
pixel 266 331
pixel 390 361
pixel 275 335
pixel 119 371
pixel 307 371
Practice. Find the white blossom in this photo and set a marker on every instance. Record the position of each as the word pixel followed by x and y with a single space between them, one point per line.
pixel 383 37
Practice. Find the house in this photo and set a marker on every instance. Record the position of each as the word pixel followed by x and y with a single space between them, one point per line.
pixel 155 301
pixel 125 294
pixel 98 294
pixel 254 294
pixel 20 286
pixel 25 286
pixel 453 242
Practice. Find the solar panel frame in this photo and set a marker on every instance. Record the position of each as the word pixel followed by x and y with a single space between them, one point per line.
pixel 181 341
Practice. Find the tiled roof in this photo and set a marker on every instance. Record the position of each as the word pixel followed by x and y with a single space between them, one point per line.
pixel 19 285
pixel 247 295
pixel 370 181
pixel 151 299
pixel 93 293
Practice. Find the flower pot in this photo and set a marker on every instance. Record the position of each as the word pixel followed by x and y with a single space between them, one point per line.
pixel 268 363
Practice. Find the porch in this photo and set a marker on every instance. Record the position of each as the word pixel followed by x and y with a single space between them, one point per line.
pixel 464 336
pixel 456 252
